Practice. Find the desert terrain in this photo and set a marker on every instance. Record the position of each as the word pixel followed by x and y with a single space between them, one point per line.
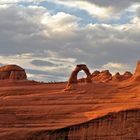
pixel 102 109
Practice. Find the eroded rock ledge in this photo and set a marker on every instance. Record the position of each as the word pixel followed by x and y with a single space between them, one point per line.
pixel 124 125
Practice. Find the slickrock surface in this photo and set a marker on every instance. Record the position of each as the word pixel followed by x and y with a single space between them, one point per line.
pixel 35 111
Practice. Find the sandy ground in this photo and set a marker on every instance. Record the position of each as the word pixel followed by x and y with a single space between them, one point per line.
pixel 28 106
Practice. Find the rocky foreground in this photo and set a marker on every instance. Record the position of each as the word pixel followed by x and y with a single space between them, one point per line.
pixel 33 111
pixel 93 111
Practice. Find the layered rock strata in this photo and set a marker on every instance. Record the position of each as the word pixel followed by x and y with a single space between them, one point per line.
pixel 13 72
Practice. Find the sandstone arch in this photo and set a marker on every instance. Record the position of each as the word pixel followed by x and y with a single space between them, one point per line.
pixel 73 77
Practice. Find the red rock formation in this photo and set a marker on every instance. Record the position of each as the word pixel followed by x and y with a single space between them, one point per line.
pixel 127 75
pixel 81 80
pixel 13 72
pixel 73 78
pixel 136 76
pixel 30 111
pixel 117 77
pixel 103 76
pixel 137 71
pixel 95 73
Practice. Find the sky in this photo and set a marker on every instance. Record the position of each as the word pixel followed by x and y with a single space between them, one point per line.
pixel 49 37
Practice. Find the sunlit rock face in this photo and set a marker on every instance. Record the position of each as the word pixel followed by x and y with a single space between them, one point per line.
pixel 115 126
pixel 12 72
pixel 137 71
pixel 136 76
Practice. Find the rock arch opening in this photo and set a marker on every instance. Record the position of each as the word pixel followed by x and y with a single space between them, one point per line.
pixel 73 77
pixel 81 76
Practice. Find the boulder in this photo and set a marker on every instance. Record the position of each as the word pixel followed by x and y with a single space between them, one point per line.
pixel 13 72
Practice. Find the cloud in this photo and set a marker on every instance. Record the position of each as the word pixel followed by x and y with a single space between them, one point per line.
pixel 47 69
pixel 42 63
pixel 100 12
pixel 19 27
pixel 52 44
pixel 59 22
pixel 33 30
pixel 8 1
pixel 138 12
pixel 18 1
pixel 102 9
pixel 116 67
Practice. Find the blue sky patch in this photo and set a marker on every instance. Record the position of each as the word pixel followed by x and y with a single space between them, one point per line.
pixel 85 18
